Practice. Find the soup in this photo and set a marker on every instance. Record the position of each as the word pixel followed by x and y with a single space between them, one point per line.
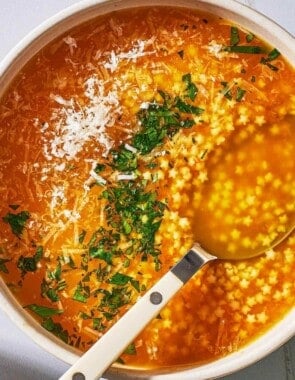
pixel 107 137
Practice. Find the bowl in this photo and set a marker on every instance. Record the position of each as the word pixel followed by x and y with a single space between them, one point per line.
pixel 11 65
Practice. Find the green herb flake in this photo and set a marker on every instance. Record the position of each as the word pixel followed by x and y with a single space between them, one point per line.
pixel 100 253
pixel 250 37
pixel 99 168
pixel 43 311
pixel 3 267
pixel 17 221
pixel 191 88
pixel 81 236
pixel 114 299
pixel 29 264
pixel 119 279
pixel 52 295
pixel 240 94
pixel 98 325
pixel 82 293
pixel 124 160
pixel 226 91
pixel 244 49
pixel 56 273
pixel 130 350
pixel 234 36
pixel 188 108
pixel 274 54
pixel 56 329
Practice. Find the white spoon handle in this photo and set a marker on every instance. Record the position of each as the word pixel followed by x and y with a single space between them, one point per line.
pixel 111 345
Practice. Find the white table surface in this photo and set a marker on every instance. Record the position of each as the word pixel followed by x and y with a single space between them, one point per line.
pixel 20 358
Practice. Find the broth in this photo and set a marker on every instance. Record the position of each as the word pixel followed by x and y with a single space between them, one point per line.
pixel 105 139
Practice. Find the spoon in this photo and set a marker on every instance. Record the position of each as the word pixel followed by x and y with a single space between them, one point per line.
pixel 111 345
pixel 103 353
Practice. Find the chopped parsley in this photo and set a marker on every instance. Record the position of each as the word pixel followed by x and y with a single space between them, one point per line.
pixel 159 121
pixel 3 267
pixel 43 311
pixel 244 49
pixel 132 209
pixel 99 168
pixel 191 88
pixel 81 236
pixel 122 279
pixel 234 36
pixel 226 91
pixel 274 54
pixel 124 160
pixel 29 264
pixel 114 299
pixel 17 221
pixel 240 94
pixel 56 329
pixel 232 92
pixel 130 350
pixel 82 293
pixel 250 37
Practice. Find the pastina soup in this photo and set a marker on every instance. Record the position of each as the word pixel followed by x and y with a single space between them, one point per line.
pixel 108 138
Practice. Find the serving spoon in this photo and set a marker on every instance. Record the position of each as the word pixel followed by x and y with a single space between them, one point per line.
pixel 112 344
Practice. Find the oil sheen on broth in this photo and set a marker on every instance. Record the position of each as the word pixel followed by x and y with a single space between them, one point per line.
pixel 107 139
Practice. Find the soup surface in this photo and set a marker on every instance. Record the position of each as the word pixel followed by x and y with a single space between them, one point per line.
pixel 111 139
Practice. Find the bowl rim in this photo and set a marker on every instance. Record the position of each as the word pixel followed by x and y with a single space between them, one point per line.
pixel 270 340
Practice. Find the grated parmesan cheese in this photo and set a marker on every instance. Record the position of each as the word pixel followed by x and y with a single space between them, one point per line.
pixel 215 49
pixel 75 125
pixel 136 52
pixel 57 196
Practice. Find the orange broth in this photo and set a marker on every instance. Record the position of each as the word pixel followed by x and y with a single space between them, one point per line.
pixel 90 223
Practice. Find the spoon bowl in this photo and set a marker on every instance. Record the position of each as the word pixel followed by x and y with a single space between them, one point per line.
pixel 247 204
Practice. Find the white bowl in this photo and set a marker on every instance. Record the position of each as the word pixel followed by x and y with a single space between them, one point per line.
pixel 85 10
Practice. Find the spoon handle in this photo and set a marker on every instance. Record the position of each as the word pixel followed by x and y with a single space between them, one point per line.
pixel 111 345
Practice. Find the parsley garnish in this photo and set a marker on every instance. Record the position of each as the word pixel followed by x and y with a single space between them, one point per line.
pixel 56 329
pixel 226 91
pixel 17 221
pixel 81 236
pixel 191 88
pixel 3 267
pixel 124 160
pixel 29 264
pixel 97 324
pixel 113 300
pixel 240 94
pixel 244 49
pixel 250 37
pixel 43 311
pixel 131 209
pixel 82 293
pixel 130 350
pixel 234 36
pixel 159 121
pixel 122 279
pixel 99 168
pixel 274 54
